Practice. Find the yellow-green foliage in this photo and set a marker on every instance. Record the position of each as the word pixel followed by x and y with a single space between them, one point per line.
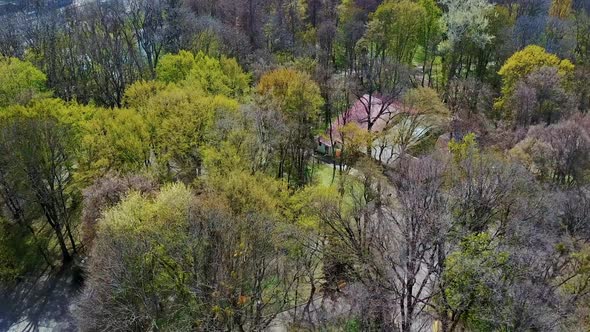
pixel 20 82
pixel 295 92
pixel 182 121
pixel 179 121
pixel 102 139
pixel 463 149
pixel 355 141
pixel 138 214
pixel 254 194
pixel 561 8
pixel 425 101
pixel 467 268
pixel 214 76
pixel 70 114
pixel 49 124
pixel 153 233
pixel 524 62
pixel 115 140
pixel 166 244
pixel 305 204
pixel 139 92
pixel 173 68
pixel 398 27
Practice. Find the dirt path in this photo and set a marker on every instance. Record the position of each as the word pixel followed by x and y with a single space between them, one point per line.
pixel 39 305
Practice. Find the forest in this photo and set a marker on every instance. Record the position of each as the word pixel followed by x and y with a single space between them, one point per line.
pixel 297 165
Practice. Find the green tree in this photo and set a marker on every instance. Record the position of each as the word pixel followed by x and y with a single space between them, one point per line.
pixel 470 282
pixel 180 123
pixel 174 68
pixel 467 23
pixel 114 140
pixel 397 28
pixel 431 37
pixel 20 82
pixel 298 99
pixel 215 76
pixel 525 62
pixel 351 27
pixel 40 142
pixel 217 261
pixel 139 92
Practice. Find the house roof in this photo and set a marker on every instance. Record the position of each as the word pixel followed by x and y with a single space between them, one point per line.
pixel 360 113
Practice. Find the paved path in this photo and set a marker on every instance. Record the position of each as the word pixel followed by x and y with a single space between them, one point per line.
pixel 39 305
pixel 323 310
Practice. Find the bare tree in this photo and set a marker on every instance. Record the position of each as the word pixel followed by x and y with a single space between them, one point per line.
pixel 394 237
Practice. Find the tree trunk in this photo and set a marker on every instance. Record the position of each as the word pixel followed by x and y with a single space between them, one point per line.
pixel 66 257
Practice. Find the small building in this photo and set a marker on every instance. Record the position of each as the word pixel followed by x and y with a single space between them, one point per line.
pixel 367 109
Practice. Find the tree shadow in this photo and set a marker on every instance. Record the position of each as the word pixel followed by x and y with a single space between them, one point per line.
pixel 41 303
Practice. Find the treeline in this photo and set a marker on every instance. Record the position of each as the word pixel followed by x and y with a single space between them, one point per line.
pixel 93 51
pixel 172 145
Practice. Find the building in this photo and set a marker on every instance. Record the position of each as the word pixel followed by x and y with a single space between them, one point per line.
pixel 379 114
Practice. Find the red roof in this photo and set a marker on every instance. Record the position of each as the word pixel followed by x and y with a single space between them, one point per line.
pixel 380 115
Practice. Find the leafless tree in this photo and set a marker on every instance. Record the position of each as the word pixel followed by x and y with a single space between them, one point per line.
pixel 105 193
pixel 393 239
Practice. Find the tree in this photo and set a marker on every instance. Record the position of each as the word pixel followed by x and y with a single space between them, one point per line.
pixel 175 67
pixel 22 253
pixel 93 52
pixel 422 115
pixel 523 63
pixel 11 36
pixel 470 97
pixel 422 224
pixel 351 28
pixel 150 22
pixel 21 238
pixel 582 57
pixel 397 28
pixel 113 140
pixel 467 23
pixel 207 263
pixel 431 37
pixel 492 202
pixel 213 76
pixel 466 20
pixel 376 84
pixel 104 194
pixel 561 8
pixel 382 67
pixel 179 122
pixel 558 153
pixel 468 283
pixel 541 97
pixel 299 101
pixel 388 231
pixel 41 142
pixel 20 82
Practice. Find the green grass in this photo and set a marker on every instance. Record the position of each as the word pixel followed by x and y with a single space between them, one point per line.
pixel 353 186
pixel 323 175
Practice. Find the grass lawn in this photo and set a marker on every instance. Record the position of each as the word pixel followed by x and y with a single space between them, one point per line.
pixel 322 174
pixel 353 186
